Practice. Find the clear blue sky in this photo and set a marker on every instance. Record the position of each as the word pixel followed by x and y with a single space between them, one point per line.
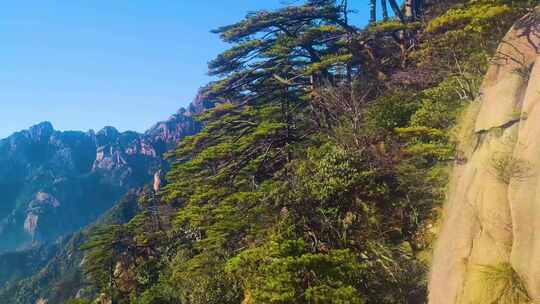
pixel 85 64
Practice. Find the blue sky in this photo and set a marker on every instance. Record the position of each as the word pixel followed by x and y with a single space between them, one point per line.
pixel 85 64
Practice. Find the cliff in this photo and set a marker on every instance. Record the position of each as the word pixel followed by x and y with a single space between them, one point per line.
pixel 488 247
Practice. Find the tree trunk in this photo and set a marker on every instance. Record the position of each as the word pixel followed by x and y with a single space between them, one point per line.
pixel 345 6
pixel 403 47
pixel 418 8
pixel 373 11
pixel 409 10
pixel 384 10
pixel 396 10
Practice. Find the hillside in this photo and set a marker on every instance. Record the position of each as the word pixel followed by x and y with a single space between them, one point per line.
pixel 60 275
pixel 321 173
pixel 336 163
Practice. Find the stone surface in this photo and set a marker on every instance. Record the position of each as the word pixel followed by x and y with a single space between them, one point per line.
pixel 493 213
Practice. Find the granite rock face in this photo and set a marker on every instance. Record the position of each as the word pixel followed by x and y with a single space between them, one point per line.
pixel 165 134
pixel 492 217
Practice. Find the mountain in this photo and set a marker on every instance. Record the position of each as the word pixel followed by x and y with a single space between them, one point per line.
pixel 54 272
pixel 323 178
pixel 165 134
pixel 400 165
pixel 53 182
pixel 58 182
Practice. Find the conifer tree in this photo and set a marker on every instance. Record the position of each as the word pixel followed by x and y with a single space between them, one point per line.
pixel 313 180
pixel 373 11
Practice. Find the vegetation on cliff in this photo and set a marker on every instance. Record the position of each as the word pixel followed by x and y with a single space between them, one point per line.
pixel 321 168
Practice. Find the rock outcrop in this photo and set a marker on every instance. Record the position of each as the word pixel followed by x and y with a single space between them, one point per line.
pixel 42 204
pixel 165 134
pixel 54 183
pixel 491 222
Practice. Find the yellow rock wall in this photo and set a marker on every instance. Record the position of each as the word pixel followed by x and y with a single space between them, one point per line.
pixel 493 211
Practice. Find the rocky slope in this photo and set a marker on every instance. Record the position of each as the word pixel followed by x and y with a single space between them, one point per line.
pixel 55 272
pixel 54 183
pixel 488 248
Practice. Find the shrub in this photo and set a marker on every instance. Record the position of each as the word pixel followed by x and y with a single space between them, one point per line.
pixel 506 167
pixel 391 111
pixel 498 283
pixel 78 301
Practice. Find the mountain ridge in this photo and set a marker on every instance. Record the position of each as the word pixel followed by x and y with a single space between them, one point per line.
pixel 56 181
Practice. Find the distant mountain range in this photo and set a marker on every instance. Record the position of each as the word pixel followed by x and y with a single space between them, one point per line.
pixel 54 183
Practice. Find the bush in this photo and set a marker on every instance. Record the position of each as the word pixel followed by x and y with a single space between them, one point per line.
pixel 78 301
pixel 506 167
pixel 391 111
pixel 498 284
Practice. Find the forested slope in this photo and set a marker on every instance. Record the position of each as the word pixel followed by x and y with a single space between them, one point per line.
pixel 62 277
pixel 56 182
pixel 322 167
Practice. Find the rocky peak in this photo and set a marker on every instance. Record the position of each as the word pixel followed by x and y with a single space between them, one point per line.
pixel 158 180
pixel 41 131
pixel 198 105
pixel 108 134
pixel 42 204
pixel 165 134
pixel 43 198
pixel 65 179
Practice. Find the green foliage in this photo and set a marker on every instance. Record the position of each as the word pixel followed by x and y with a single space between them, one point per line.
pixel 159 294
pixel 391 111
pixel 498 284
pixel 286 271
pixel 441 105
pixel 78 301
pixel 391 26
pixel 304 42
pixel 462 39
pixel 312 181
pixel 477 17
pixel 505 168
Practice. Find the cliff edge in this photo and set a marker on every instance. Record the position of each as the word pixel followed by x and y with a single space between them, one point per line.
pixel 488 249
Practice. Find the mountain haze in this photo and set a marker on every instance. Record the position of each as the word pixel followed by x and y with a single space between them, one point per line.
pixel 55 182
